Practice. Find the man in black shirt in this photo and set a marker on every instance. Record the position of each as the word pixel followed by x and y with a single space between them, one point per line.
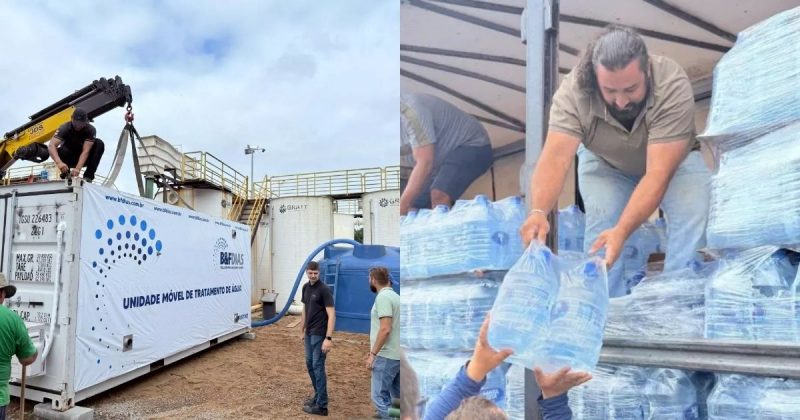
pixel 74 145
pixel 318 319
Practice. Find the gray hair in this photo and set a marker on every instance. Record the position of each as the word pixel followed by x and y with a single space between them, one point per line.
pixel 614 49
pixel 477 408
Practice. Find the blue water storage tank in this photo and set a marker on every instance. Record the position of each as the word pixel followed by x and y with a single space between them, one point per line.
pixel 346 271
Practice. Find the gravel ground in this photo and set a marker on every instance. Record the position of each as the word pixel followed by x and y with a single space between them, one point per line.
pixel 263 378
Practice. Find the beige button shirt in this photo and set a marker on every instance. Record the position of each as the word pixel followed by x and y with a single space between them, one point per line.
pixel 668 116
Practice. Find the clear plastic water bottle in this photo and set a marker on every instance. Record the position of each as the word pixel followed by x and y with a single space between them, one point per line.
pixel 735 397
pixel 477 222
pixel 436 242
pixel 418 265
pixel 507 241
pixel 774 300
pixel 578 317
pixel 590 400
pixel 521 312
pixel 671 395
pixel 626 400
pixel 515 392
pixel 571 228
pixel 409 247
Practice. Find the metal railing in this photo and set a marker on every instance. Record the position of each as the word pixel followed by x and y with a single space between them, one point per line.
pixel 203 166
pixel 37 173
pixel 346 182
pixel 347 206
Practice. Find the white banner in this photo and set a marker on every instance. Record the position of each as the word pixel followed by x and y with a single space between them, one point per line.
pixel 155 280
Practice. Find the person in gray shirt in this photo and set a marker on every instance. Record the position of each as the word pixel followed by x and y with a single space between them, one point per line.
pixel 447 148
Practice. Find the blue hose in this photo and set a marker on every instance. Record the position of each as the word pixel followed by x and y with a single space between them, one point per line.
pixel 302 271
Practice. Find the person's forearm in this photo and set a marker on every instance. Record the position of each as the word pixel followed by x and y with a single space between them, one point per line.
pixel 415 182
pixel 331 325
pixel 82 160
pixel 547 183
pixel 54 154
pixel 643 202
pixel 380 340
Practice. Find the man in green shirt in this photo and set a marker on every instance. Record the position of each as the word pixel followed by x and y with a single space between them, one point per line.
pixel 384 339
pixel 14 340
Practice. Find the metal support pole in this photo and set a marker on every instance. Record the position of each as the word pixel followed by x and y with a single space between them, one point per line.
pixel 540 23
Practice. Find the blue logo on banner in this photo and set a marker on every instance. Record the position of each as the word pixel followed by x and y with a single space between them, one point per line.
pixel 126 238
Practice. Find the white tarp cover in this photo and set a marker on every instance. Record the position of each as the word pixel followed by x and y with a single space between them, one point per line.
pixel 168 277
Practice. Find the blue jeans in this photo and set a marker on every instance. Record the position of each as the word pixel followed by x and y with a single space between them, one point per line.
pixel 385 384
pixel 315 363
pixel 606 192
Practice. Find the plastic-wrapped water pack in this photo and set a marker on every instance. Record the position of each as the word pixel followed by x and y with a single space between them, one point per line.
pixel 753 82
pixel 635 393
pixel 755 193
pixel 751 397
pixel 670 304
pixel 753 296
pixel 544 303
pixel 474 234
pixel 446 313
pixel 590 400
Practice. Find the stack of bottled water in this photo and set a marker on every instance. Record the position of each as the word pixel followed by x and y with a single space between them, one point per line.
pixel 749 98
pixel 669 304
pixel 453 262
pixel 435 370
pixel 753 133
pixel 551 310
pixel 571 228
pixel 474 234
pixel 446 313
pixel 752 296
pixel 750 397
pixel 635 393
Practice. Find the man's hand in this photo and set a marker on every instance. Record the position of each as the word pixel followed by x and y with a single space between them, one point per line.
pixel 302 335
pixel 613 240
pixel 555 384
pixel 327 345
pixel 484 357
pixel 370 361
pixel 536 227
pixel 74 172
pixel 62 167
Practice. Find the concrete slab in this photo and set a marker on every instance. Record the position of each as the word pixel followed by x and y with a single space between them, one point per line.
pixel 248 336
pixel 46 411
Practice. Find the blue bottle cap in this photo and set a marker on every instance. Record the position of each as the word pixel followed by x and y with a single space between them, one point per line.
pixel 590 269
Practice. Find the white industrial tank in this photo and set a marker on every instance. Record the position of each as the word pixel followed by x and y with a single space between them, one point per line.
pixel 299 225
pixel 343 226
pixel 382 218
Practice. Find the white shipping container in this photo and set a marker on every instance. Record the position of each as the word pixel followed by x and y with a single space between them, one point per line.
pixel 114 286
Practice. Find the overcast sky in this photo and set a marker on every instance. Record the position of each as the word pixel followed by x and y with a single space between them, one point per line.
pixel 316 83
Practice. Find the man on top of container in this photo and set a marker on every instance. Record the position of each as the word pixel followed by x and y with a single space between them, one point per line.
pixel 447 148
pixel 630 118
pixel 317 319
pixel 384 340
pixel 14 340
pixel 75 145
